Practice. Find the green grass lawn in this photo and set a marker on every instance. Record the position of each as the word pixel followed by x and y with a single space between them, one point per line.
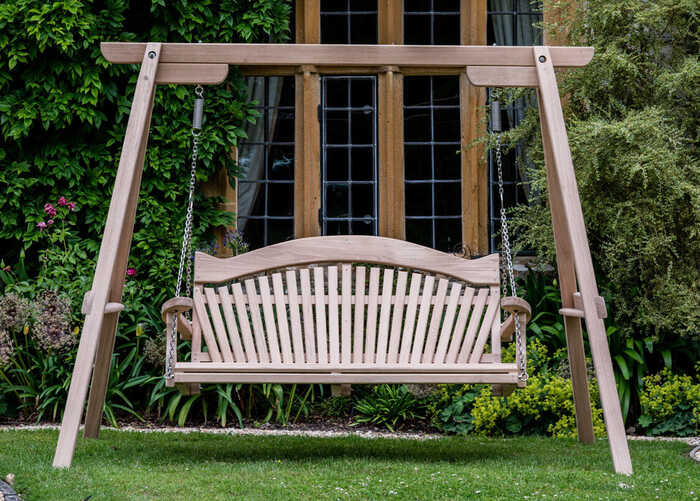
pixel 197 466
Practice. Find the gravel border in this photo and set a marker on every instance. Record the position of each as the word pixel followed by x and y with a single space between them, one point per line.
pixel 305 432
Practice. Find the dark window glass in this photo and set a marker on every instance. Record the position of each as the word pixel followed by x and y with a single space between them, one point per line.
pixel 431 22
pixel 349 22
pixel 349 155
pixel 432 148
pixel 266 161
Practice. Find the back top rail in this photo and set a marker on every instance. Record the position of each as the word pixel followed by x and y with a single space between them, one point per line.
pixel 446 56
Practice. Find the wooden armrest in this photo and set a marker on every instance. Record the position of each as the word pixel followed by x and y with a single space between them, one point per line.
pixel 514 305
pixel 177 305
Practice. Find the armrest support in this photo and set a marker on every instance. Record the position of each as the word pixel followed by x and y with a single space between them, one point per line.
pixel 176 306
pixel 514 306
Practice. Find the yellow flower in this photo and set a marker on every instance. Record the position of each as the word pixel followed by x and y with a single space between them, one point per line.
pixel 139 330
pixel 26 329
pixel 76 331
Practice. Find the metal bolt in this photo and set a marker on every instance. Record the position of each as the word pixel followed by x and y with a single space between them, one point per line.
pixel 542 59
pixel 152 54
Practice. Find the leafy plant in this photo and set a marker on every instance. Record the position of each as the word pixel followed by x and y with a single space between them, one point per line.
pixel 671 404
pixel 388 405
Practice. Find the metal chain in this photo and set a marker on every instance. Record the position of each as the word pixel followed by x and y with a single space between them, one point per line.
pixel 508 263
pixel 186 249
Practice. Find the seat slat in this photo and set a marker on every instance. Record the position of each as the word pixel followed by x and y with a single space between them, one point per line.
pixel 397 318
pixel 384 316
pixel 472 328
pixel 410 319
pixel 282 320
pixel 203 318
pixel 486 325
pixel 423 314
pixel 447 323
pixel 333 330
pixel 244 323
pixel 372 304
pixel 307 310
pixel 219 329
pixel 295 318
pixel 494 368
pixel 320 307
pixel 346 314
pixel 256 320
pixel 435 321
pixel 229 317
pixel 269 317
pixel 359 322
pixel 465 306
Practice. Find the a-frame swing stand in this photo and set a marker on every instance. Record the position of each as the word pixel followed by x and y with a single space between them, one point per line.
pixel 485 66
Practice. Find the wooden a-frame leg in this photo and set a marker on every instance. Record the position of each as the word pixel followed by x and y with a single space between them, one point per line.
pixel 567 283
pixel 565 189
pixel 103 360
pixel 112 258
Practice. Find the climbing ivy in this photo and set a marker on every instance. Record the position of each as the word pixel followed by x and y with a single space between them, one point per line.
pixel 65 109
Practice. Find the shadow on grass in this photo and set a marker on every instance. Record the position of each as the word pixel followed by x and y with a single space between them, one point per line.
pixel 172 449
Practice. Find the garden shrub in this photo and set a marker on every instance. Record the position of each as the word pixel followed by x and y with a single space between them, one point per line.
pixel 632 119
pixel 671 404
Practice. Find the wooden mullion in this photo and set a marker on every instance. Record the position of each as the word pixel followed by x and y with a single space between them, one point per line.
pixel 390 20
pixel 472 101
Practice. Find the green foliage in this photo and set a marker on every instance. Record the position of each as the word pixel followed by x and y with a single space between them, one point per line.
pixel 671 404
pixel 65 109
pixel 632 119
pixel 388 405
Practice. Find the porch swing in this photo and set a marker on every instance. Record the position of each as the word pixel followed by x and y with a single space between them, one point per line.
pixel 378 310
pixel 345 309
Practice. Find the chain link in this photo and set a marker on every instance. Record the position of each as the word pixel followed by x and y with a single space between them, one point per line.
pixel 507 263
pixel 185 266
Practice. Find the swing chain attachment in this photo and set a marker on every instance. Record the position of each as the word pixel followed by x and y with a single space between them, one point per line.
pixel 506 252
pixel 185 267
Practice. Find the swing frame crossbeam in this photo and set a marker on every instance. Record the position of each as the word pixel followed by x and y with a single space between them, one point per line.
pixel 207 64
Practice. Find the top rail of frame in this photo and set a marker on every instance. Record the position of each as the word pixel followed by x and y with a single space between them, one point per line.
pixel 445 56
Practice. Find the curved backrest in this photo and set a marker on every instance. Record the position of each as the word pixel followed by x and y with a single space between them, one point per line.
pixel 346 249
pixel 348 314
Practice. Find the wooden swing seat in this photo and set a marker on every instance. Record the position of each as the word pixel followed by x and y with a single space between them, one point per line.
pixel 345 309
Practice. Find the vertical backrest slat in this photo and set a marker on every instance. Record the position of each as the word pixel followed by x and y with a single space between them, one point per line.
pixel 465 306
pixel 295 318
pixel 307 310
pixel 359 323
pixel 423 314
pixel 384 316
pixel 435 321
pixel 372 303
pixel 196 336
pixel 346 314
pixel 397 318
pixel 230 318
pixel 219 329
pixel 320 306
pixel 333 330
pixel 486 325
pixel 472 328
pixel 282 320
pixel 410 320
pixel 203 318
pixel 256 321
pixel 447 323
pixel 269 317
pixel 244 323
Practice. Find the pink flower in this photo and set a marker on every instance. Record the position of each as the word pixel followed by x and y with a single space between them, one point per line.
pixel 71 205
pixel 50 210
pixel 62 201
pixel 131 272
pixel 41 226
pixel 49 222
pixel 7 268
